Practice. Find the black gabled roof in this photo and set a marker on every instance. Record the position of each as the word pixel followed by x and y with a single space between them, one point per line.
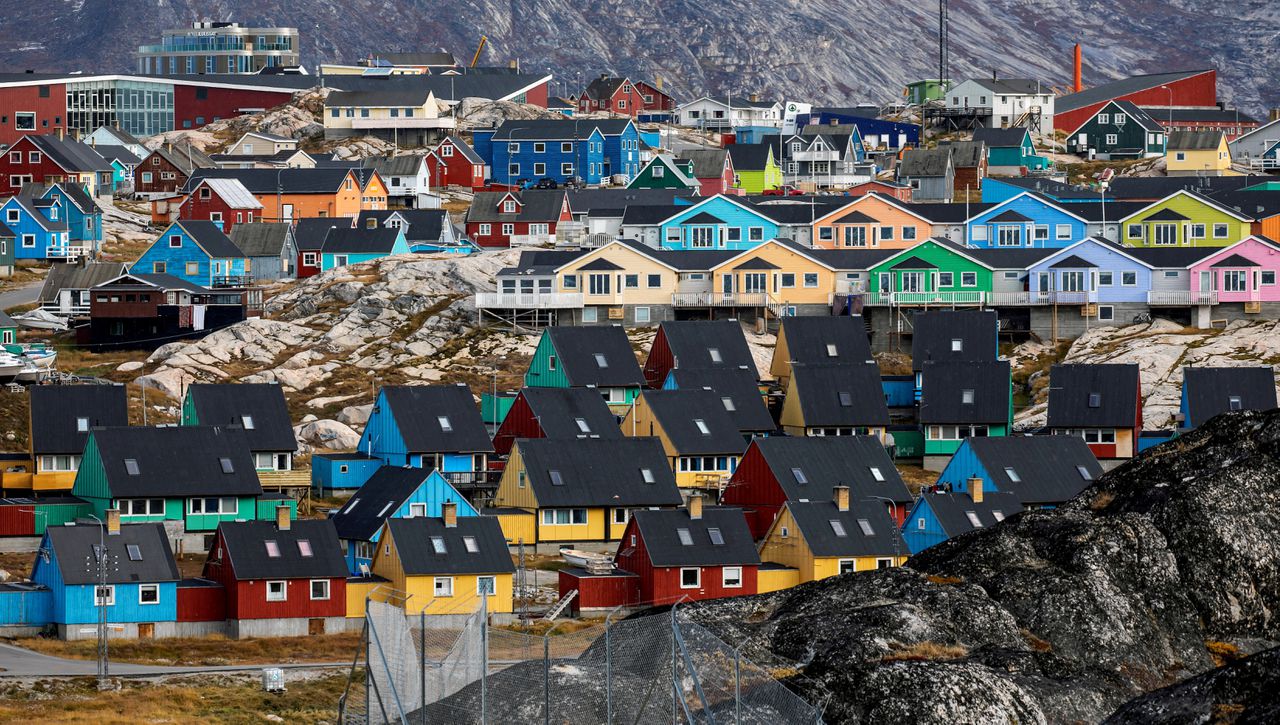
pixel 1008 258
pixel 1236 260
pixel 210 238
pixel 757 263
pixel 1170 256
pixel 1046 466
pixel 750 156
pixel 914 262
pixel 558 411
pixel 357 240
pixel 703 218
pixel 933 335
pixel 1010 216
pixel 946 213
pixel 75 546
pixel 320 180
pixel 808 339
pixel 577 349
pixel 245 549
pixel 692 341
pixel 678 412
pixel 741 387
pixel 600 263
pixel 1094 396
pixel 385 491
pixel 1001 137
pixel 660 531
pixel 856 217
pixel 55 410
pixel 830 461
pixel 417 410
pixel 945 382
pixel 197 471
pixel 841 395
pixel 599 472
pixel 952 510
pixel 309 233
pixel 1073 262
pixel 814 520
pixel 241 405
pixel 1165 215
pixel 1207 391
pixel 413 539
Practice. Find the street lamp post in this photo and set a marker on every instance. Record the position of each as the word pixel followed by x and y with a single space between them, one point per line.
pixel 100 599
pixel 897 550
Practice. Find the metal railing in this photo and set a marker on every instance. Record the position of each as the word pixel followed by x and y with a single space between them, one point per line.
pixel 472 479
pixel 1179 298
pixel 529 300
pixel 926 298
pixel 720 299
pixel 232 280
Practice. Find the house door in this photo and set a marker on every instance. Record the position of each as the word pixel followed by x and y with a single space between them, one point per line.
pixel 912 282
pixel 146 630
pixel 315 626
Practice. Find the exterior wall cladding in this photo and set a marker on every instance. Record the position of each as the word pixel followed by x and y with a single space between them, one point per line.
pixel 1198 90
pixel 48 102
pixel 189 107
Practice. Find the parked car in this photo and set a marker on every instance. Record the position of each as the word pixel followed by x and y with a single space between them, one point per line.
pixel 546 182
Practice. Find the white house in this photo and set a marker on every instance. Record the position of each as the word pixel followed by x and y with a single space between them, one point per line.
pixel 256 143
pixel 722 113
pixel 111 136
pixel 1004 102
pixel 408 180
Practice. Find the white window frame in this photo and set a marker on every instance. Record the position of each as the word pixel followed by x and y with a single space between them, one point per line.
pixel 724 577
pixel 442 582
pixel 696 570
pixel 148 588
pixel 493 585
pixel 311 589
pixel 283 596
pixel 109 600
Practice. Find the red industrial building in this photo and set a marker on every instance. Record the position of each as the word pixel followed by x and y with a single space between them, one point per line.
pixel 1177 89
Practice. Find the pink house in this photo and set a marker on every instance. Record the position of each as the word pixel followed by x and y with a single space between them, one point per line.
pixel 1242 272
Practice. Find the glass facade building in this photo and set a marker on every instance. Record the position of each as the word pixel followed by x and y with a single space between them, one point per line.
pixel 209 47
pixel 141 108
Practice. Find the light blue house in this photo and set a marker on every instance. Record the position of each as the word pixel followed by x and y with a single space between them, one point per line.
pixel 523 152
pixel 1040 471
pixel 140 594
pixel 39 231
pixel 334 472
pixel 343 246
pixel 1093 270
pixel 429 426
pixel 81 213
pixel 391 493
pixel 1025 221
pixel 196 252
pixel 940 515
pixel 717 222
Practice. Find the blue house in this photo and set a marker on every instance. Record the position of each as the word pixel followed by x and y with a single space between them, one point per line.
pixel 877 132
pixel 522 152
pixel 391 493
pixel 1040 471
pixel 343 246
pixel 429 426
pixel 140 593
pixel 39 231
pixel 1093 271
pixel 196 252
pixel 1207 392
pixel 1025 221
pixel 940 515
pixel 717 222
pixel 81 213
pixel 334 472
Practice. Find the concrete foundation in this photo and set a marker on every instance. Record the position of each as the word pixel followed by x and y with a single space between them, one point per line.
pixel 16 630
pixel 200 629
pixel 292 627
pixel 118 630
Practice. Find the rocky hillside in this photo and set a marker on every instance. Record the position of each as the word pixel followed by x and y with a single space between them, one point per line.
pixel 1160 349
pixel 826 50
pixel 1241 692
pixel 1052 616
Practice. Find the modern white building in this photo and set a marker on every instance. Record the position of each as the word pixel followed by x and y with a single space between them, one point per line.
pixel 724 113
pixel 1004 102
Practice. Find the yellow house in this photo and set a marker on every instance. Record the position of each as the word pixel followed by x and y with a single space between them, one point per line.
pixel 825 538
pixel 819 340
pixel 581 490
pixel 698 433
pixel 446 565
pixel 834 399
pixel 407 117
pixel 776 273
pixel 61 417
pixel 619 282
pixel 1197 153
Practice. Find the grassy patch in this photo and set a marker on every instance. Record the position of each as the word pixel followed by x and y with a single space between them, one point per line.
pixel 1101 500
pixel 943 580
pixel 15 417
pixel 1223 653
pixel 927 651
pixel 916 477
pixel 207 651
pixel 539 627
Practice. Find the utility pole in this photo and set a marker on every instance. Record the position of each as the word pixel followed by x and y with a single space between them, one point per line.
pixel 100 599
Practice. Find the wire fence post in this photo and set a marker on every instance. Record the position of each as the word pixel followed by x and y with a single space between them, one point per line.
pixel 608 666
pixel 546 678
pixel 484 658
pixel 422 662
pixel 737 685
pixel 675 686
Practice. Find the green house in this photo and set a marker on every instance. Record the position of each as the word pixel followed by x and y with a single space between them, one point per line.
pixel 8 329
pixel 935 271
pixel 1184 219
pixel 1010 151
pixel 258 408
pixel 665 171
pixel 756 167
pixel 598 357
pixel 1118 130
pixel 925 90
pixel 196 475
pixel 961 400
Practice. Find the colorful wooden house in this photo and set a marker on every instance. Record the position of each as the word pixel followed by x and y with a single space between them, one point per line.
pixel 61 418
pixel 447 564
pixel 76 207
pixel 717 222
pixel 344 246
pixel 713 168
pixel 939 515
pixel 962 400
pixel 225 202
pixel 134 470
pixel 953 336
pixel 834 400
pixel 1243 273
pixel 779 274
pixel 587 357
pixel 739 392
pixel 1095 272
pixel 259 409
pixel 826 538
pixel 289 194
pixel 8 239
pixel 935 271
pixel 1185 219
pixel 819 340
pixel 1101 404
pixel 37 231
pixel 756 167
pixel 665 171
pixel 1197 153
pixel 1026 220
pixel 1118 130
pixel 1207 392
pixel 872 220
pixel 931 174
pixel 281 578
pixel 270 249
pixel 167 169
pixel 525 151
pixel 561 413
pixel 429 426
pixel 391 493
pixel 139 598
pixel 701 440
pixel 454 163
pixel 1010 151
pixel 516 218
pixel 197 252
pixel 582 491
pixel 44 159
pixel 1040 471
pixel 779 469
pixel 695 345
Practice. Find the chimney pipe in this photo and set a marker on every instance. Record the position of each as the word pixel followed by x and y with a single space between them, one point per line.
pixel 975 489
pixel 449 512
pixel 841 497
pixel 1079 84
pixel 695 506
pixel 282 517
pixel 113 522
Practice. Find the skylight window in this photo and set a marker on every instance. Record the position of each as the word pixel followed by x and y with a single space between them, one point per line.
pixel 799 474
pixel 846 399
pixel 135 552
pixel 247 422
pixel 273 549
pixel 715 355
pixel 865 525
pixel 1234 403
pixel 966 396
pixel 601 361
pixel 1084 473
pixel 1012 474
pixel 831 350
pixel 716 537
pixel 685 538
pixel 728 404
pixel 957 344
pixel 702 426
pixel 1095 400
pixel 131 466
pixel 227 467
pixel 837 527
pixel 82 425
pixel 582 425
pixel 973 519
pixel 304 548
pixel 876 474
pixel 445 425
pixel 386 508
pixel 647 475
pixel 437 544
pixel 998 514
pixel 556 478
pixel 470 543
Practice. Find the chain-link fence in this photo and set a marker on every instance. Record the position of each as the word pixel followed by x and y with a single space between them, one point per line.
pixel 657 668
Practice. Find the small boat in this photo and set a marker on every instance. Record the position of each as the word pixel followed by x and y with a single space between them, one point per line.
pixel 585 559
pixel 32 373
pixel 44 357
pixel 10 366
pixel 41 320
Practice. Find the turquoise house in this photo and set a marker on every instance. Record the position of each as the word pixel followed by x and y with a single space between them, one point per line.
pixel 197 252
pixel 345 246
pixel 596 357
pixel 1025 221
pixel 717 222
pixel 1010 150
pixel 392 493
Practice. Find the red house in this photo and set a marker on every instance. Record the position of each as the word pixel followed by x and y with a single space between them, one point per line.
pixel 282 578
pixel 223 201
pixel 713 168
pixel 50 158
pixel 507 218
pixel 167 169
pixel 309 235
pixel 892 189
pixel 455 163
pixel 697 345
pixel 565 413
pixel 654 99
pixel 623 97
pixel 778 469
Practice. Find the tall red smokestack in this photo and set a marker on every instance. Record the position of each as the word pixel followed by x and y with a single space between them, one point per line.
pixel 1079 84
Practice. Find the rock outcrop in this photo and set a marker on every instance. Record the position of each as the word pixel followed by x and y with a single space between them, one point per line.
pixel 1247 691
pixel 1053 616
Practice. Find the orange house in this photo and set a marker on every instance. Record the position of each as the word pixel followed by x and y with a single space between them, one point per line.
pixel 873 221
pixel 288 194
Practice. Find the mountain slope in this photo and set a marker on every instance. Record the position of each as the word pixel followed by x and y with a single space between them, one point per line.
pixel 830 51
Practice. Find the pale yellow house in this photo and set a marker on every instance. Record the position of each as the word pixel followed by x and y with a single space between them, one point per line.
pixel 1197 153
pixel 699 436
pixel 405 117
pixel 819 539
pixel 619 282
pixel 776 274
